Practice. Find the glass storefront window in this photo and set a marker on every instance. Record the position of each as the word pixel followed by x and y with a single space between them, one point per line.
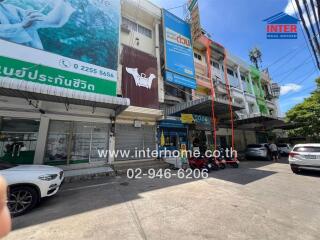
pixel 18 140
pixel 75 142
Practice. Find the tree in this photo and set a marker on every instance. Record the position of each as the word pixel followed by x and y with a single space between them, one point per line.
pixel 306 115
pixel 255 56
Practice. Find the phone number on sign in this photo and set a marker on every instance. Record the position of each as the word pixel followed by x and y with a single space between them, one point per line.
pixel 167 173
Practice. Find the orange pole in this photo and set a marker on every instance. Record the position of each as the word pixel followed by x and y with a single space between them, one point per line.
pixel 230 100
pixel 208 51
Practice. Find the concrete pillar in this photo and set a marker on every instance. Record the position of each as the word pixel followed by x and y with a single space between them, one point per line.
pixel 251 84
pixel 252 90
pixel 157 50
pixel 112 144
pixel 42 140
pixel 242 89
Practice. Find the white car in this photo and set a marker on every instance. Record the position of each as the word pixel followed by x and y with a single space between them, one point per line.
pixel 28 184
pixel 305 156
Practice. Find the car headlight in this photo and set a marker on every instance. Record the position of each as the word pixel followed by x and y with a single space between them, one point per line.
pixel 48 177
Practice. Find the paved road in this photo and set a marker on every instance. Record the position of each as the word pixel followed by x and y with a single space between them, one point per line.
pixel 260 200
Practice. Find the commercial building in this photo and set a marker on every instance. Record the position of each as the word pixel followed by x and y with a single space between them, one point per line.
pixel 108 77
pixel 58 84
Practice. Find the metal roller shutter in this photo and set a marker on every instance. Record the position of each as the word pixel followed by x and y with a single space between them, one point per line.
pixel 130 138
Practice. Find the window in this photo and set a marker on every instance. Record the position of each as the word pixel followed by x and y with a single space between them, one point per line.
pixel 230 72
pixel 145 31
pixel 75 142
pixel 243 78
pixel 131 25
pixel 215 64
pixel 197 56
pixel 172 91
pixel 136 27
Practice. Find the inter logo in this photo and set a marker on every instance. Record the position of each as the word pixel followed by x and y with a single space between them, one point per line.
pixel 282 26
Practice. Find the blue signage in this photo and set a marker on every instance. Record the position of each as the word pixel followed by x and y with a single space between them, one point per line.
pixel 179 63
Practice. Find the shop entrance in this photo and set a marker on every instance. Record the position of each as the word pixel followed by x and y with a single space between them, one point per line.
pixel 76 142
pixel 18 140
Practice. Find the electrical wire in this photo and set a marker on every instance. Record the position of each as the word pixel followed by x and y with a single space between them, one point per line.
pixel 180 6
pixel 274 75
pixel 317 65
pixel 315 15
pixel 298 83
pixel 305 62
pixel 311 25
pixel 299 48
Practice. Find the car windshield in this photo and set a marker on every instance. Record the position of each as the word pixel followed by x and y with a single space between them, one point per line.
pixel 254 146
pixel 307 149
pixel 6 165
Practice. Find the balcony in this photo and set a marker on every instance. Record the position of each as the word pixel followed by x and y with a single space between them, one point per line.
pixel 271 105
pixel 201 69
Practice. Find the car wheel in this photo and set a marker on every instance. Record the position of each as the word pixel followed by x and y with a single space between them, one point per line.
pixel 295 169
pixel 22 199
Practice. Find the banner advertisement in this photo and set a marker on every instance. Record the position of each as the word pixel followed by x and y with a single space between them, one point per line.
pixel 139 78
pixel 70 44
pixel 179 63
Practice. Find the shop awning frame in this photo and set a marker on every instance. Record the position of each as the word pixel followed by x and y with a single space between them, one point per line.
pixel 261 121
pixel 41 92
pixel 202 106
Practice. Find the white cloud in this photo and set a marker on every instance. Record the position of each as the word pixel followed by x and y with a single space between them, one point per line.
pixel 290 87
pixel 292 10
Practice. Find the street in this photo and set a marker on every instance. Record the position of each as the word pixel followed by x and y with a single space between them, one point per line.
pixel 260 200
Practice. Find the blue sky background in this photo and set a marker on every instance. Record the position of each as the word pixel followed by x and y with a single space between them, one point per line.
pixel 238 25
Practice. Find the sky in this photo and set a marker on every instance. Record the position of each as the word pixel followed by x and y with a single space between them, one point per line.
pixel 238 25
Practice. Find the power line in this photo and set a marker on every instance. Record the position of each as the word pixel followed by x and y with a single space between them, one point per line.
pixel 286 55
pixel 298 83
pixel 307 32
pixel 311 25
pixel 180 6
pixel 315 16
pixel 298 67
pixel 290 69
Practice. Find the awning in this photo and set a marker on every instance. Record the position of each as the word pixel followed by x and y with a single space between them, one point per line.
pixel 260 121
pixel 34 91
pixel 202 106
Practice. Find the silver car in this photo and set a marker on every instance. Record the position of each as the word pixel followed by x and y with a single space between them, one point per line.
pixel 258 151
pixel 284 149
pixel 305 156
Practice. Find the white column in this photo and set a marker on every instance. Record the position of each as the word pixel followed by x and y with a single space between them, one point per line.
pixel 257 110
pixel 111 148
pixel 241 87
pixel 157 50
pixel 251 84
pixel 42 140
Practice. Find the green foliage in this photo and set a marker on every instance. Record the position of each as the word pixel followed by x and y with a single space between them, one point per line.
pixel 307 115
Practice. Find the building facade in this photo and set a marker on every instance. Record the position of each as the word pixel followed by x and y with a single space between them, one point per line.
pixel 63 98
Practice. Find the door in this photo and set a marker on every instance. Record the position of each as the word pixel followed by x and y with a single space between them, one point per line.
pixel 18 140
pixel 130 140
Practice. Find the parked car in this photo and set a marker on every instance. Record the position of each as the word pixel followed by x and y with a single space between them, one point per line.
pixel 305 156
pixel 284 149
pixel 28 184
pixel 258 151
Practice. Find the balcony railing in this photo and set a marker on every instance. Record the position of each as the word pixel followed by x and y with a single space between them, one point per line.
pixel 201 69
